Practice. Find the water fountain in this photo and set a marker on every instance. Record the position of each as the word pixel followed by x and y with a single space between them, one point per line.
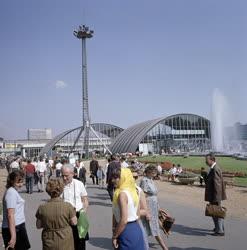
pixel 222 116
pixel 218 121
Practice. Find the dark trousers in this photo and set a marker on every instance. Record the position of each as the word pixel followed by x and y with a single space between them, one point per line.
pixel 83 180
pixel 36 178
pixel 22 242
pixel 58 173
pixel 80 244
pixel 218 222
pixel 29 183
pixel 110 192
pixel 93 176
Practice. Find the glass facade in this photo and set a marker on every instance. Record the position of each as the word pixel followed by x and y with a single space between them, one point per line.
pixel 64 143
pixel 173 134
pixel 178 134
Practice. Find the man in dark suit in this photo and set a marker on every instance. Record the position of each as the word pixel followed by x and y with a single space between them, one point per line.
pixel 93 167
pixel 215 191
pixel 113 163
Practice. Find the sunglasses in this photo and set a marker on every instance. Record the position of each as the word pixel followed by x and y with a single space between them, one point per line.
pixel 135 177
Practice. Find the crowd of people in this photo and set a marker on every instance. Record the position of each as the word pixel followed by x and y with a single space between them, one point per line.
pixel 135 208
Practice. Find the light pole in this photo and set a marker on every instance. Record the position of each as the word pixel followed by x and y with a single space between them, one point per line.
pixel 83 33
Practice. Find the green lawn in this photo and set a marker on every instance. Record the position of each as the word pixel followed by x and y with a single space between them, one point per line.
pixel 240 181
pixel 196 162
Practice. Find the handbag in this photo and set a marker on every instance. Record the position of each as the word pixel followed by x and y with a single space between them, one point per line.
pixel 82 225
pixel 165 221
pixel 215 211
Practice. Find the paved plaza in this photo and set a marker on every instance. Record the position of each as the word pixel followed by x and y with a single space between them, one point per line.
pixel 190 232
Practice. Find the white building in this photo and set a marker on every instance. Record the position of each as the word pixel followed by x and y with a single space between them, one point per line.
pixel 39 134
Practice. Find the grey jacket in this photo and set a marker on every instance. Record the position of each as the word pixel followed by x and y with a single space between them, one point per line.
pixel 215 187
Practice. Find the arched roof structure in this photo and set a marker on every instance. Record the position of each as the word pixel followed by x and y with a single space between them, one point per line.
pixel 104 131
pixel 129 140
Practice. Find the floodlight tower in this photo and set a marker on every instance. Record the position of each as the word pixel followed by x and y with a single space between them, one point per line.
pixel 83 33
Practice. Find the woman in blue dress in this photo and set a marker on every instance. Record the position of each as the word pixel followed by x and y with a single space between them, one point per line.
pixel 127 234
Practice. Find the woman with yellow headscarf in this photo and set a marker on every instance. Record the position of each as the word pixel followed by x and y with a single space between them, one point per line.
pixel 127 234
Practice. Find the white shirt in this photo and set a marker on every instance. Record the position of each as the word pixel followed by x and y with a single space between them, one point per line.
pixel 73 192
pixel 81 164
pixel 78 170
pixel 213 165
pixel 41 167
pixel 124 164
pixel 159 168
pixel 173 170
pixel 59 166
pixel 132 209
pixel 14 164
pixel 12 199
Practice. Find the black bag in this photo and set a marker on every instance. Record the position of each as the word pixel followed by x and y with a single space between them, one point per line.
pixel 165 221
pixel 215 211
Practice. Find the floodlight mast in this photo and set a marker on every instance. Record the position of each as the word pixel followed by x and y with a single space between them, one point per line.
pixel 83 33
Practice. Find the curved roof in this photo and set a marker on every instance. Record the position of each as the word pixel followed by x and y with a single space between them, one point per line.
pixel 130 138
pixel 57 138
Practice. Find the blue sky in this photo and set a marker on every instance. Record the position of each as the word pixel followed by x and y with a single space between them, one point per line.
pixel 147 59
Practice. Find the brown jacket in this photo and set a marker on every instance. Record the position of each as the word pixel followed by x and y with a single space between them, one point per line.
pixel 215 187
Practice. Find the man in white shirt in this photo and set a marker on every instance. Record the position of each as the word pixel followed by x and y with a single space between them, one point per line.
pixel 172 173
pixel 14 165
pixel 124 164
pixel 58 168
pixel 41 171
pixel 76 194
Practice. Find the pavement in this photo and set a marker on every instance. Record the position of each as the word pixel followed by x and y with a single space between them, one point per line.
pixel 191 230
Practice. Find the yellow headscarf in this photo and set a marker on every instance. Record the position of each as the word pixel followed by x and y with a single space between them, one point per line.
pixel 126 182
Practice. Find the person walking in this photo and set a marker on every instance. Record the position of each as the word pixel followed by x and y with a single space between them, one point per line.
pixel 29 172
pixel 101 176
pixel 82 173
pixel 144 212
pixel 127 234
pixel 56 218
pixel 41 172
pixel 94 166
pixel 58 167
pixel 75 193
pixel 148 186
pixel 48 172
pixel 215 192
pixel 14 231
pixel 15 165
pixel 114 164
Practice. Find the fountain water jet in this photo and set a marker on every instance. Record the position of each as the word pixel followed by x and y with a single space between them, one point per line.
pixel 218 120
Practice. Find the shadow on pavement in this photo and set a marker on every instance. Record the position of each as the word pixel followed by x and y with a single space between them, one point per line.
pixel 243 191
pixel 190 248
pixel 190 230
pixel 104 243
pixel 102 197
pixel 96 203
pixel 93 187
pixel 154 245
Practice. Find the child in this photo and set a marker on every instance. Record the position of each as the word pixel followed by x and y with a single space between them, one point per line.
pixel 101 176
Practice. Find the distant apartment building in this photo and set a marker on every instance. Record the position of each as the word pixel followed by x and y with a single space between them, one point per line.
pixel 237 132
pixel 39 134
pixel 1 142
pixel 237 137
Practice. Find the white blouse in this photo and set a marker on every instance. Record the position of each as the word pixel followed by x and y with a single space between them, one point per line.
pixel 132 209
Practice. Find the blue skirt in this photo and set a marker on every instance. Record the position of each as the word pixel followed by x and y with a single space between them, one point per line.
pixel 131 238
